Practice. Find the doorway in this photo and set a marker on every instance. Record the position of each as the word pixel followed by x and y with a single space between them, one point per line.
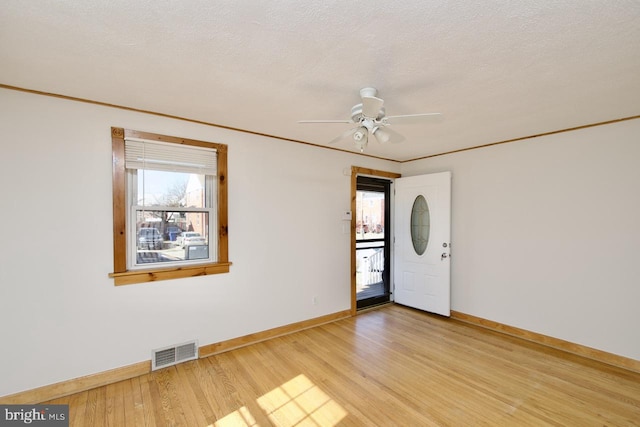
pixel 372 241
pixel 420 241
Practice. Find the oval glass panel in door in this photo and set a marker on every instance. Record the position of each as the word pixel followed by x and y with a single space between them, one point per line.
pixel 420 224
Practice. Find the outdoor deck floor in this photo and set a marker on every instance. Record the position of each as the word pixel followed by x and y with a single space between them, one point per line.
pixel 369 291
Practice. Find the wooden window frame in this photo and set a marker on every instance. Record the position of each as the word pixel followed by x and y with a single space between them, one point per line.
pixel 120 274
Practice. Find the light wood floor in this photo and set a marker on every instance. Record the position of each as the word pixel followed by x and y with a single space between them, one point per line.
pixel 392 366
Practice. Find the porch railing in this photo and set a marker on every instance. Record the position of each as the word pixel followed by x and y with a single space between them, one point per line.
pixel 371 266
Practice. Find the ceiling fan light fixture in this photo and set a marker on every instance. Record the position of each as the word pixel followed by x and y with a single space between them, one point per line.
pixel 360 134
pixel 361 137
pixel 381 135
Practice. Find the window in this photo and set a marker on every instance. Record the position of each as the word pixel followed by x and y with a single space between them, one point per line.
pixel 420 224
pixel 169 207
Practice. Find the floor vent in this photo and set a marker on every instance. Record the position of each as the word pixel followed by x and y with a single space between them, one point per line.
pixel 168 356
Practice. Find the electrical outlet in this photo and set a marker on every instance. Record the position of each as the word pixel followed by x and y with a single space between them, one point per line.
pixel 314 300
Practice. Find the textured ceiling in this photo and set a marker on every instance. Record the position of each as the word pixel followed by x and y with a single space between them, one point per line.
pixel 496 70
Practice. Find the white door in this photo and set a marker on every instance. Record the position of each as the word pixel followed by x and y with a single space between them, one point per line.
pixel 422 242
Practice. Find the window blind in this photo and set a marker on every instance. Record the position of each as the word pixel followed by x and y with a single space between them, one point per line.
pixel 143 154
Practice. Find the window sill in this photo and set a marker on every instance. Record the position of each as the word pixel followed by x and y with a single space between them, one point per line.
pixel 144 276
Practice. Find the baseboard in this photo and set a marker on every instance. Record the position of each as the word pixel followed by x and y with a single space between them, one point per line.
pixel 569 347
pixel 211 349
pixel 77 385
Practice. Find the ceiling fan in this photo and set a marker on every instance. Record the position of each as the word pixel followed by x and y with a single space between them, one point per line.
pixel 370 119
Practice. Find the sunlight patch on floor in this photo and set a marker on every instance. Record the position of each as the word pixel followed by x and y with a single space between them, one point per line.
pixel 240 418
pixel 300 402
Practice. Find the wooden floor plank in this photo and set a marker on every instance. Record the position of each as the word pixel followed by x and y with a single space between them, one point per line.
pixel 147 401
pixel 172 405
pixel 115 407
pixel 133 403
pixel 192 395
pixel 95 408
pixel 77 401
pixel 392 366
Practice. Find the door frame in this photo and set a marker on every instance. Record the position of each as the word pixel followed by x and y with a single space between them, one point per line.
pixel 355 171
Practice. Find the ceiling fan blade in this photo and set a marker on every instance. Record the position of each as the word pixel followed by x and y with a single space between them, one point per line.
pixel 371 106
pixel 325 121
pixel 344 135
pixel 413 118
pixel 386 134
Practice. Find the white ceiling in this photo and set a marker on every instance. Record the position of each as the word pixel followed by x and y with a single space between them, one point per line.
pixel 496 70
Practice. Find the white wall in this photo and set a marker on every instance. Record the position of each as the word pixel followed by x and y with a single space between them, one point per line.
pixel 546 234
pixel 62 316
